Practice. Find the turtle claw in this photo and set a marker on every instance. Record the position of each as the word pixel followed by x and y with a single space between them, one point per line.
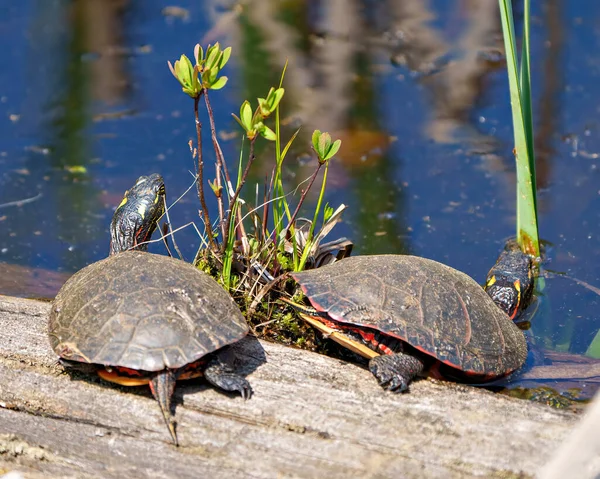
pixel 246 390
pixel 222 376
pixel 389 380
pixel 395 371
pixel 395 384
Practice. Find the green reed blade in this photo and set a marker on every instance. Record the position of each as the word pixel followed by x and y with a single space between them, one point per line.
pixel 520 99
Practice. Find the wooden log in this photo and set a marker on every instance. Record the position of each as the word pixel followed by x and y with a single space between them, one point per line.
pixel 310 416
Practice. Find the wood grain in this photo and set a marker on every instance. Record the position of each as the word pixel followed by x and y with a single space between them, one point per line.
pixel 310 416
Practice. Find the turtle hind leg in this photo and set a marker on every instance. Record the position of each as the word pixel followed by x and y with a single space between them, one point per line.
pixel 162 386
pixel 221 375
pixel 395 371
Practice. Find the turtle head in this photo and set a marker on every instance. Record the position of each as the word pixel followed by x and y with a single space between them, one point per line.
pixel 137 216
pixel 510 281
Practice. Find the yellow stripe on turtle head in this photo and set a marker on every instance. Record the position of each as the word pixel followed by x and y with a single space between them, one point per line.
pixel 142 210
pixel 123 201
pixel 491 281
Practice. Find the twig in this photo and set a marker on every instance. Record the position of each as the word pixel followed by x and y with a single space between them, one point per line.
pixel 170 229
pixel 200 183
pixel 219 165
pixel 164 232
pixel 263 291
pixel 301 201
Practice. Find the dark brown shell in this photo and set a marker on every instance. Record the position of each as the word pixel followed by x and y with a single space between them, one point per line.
pixel 142 311
pixel 431 306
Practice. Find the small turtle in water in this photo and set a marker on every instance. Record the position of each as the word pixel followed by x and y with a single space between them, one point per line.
pixel 142 318
pixel 418 315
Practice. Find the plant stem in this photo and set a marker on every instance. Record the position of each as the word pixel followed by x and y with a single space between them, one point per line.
pixel 311 231
pixel 301 201
pixel 220 163
pixel 239 188
pixel 268 193
pixel 200 179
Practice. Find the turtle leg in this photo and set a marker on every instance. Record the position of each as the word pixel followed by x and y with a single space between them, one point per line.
pixel 162 386
pixel 220 374
pixel 395 371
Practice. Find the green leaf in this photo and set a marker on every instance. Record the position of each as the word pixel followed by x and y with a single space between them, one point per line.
pixel 76 169
pixel 212 77
pixel 327 212
pixel 315 140
pixel 186 70
pixel 225 57
pixel 237 118
pixel 283 73
pixel 520 98
pixel 267 133
pixel 212 55
pixel 198 54
pixel 593 349
pixel 289 144
pixel 275 97
pixel 206 77
pixel 246 115
pixel 333 149
pixel 220 83
pixel 196 85
pixel 324 144
pixel 263 107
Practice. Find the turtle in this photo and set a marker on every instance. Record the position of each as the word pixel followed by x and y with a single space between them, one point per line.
pixel 141 318
pixel 417 315
pixel 510 281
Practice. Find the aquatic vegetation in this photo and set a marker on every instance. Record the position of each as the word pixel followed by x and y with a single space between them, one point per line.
pixel 249 247
pixel 520 100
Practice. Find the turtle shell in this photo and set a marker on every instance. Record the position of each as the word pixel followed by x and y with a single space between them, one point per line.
pixel 434 308
pixel 142 311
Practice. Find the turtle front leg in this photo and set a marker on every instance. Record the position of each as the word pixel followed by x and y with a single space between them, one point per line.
pixel 220 374
pixel 395 371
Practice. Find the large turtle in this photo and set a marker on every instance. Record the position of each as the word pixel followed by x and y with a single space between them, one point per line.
pixel 142 318
pixel 418 314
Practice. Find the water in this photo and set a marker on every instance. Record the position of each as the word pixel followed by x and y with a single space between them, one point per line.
pixel 416 90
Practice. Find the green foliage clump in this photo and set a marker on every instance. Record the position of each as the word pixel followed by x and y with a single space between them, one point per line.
pixel 249 252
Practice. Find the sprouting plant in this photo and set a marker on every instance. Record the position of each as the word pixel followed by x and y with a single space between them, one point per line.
pixel 195 81
pixel 265 251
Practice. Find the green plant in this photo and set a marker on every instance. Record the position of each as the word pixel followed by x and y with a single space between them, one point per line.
pixel 265 251
pixel 520 99
pixel 195 81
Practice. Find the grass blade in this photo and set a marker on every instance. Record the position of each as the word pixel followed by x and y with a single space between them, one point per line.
pixel 520 99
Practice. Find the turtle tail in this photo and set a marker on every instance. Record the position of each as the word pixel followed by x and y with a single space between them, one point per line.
pixel 162 386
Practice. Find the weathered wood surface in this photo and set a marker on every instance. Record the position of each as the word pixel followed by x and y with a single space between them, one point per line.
pixel 310 416
pixel 579 456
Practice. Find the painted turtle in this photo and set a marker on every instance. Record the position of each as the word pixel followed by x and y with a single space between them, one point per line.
pixel 142 318
pixel 419 314
pixel 510 281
